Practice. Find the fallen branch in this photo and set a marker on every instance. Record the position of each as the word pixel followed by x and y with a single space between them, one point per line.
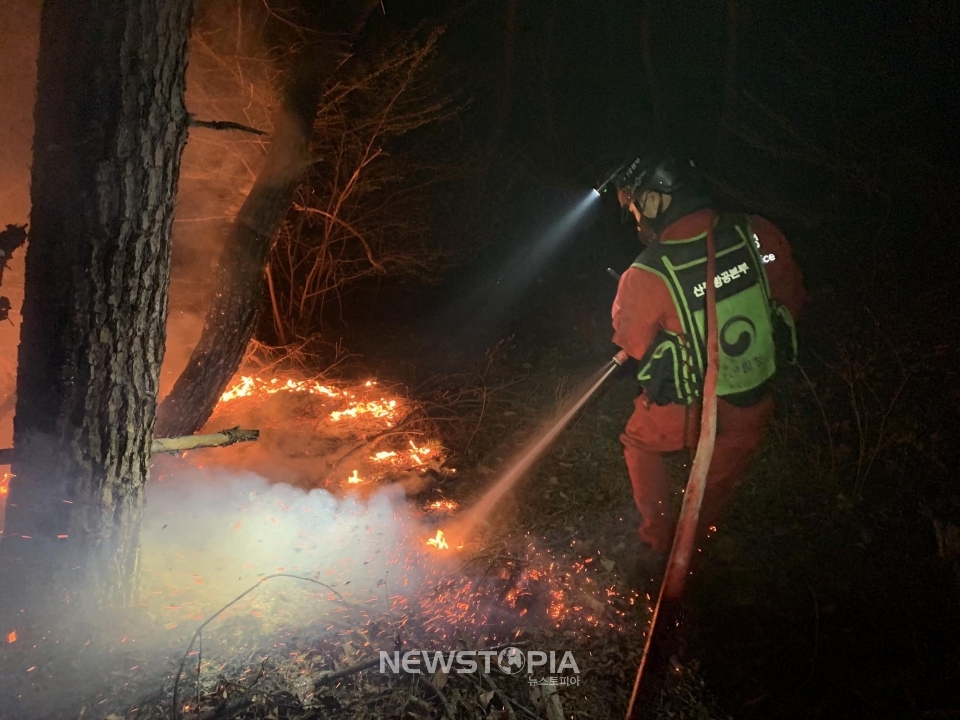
pixel 191 442
pixel 224 125
pixel 177 444
pixel 547 700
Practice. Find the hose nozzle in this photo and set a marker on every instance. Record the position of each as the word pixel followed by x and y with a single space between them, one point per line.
pixel 621 357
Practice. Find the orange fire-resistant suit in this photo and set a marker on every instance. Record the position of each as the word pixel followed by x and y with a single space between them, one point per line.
pixel 643 306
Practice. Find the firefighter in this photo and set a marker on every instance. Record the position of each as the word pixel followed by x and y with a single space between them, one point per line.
pixel 658 320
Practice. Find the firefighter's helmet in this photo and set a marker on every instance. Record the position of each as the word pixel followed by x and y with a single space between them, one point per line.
pixel 657 171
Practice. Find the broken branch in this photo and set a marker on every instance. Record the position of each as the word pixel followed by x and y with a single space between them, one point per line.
pixel 191 442
pixel 177 444
pixel 224 125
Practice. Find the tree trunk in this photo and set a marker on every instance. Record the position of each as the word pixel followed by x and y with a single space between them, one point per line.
pixel 239 291
pixel 110 130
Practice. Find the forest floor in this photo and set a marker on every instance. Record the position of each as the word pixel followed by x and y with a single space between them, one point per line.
pixel 831 590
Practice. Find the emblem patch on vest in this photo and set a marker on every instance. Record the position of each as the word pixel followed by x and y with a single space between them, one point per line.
pixel 747 332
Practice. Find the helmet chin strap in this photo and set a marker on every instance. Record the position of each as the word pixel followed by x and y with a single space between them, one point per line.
pixel 648 229
pixel 657 222
pixel 645 232
pixel 659 212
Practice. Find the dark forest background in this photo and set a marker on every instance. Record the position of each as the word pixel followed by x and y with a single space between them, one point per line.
pixel 832 119
pixel 833 591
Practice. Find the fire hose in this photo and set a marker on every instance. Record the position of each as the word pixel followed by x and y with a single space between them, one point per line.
pixel 654 660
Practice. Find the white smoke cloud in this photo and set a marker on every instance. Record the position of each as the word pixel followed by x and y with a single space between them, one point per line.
pixel 208 535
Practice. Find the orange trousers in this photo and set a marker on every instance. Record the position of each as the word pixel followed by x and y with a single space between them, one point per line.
pixel 655 429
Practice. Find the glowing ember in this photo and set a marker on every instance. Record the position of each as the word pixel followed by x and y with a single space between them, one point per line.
pixel 12 637
pixel 439 541
pixel 248 386
pixel 419 450
pixel 378 409
pixel 383 455
pixel 416 452
pixel 354 478
pixel 441 506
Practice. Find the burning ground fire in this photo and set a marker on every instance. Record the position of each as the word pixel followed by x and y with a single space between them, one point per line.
pixel 315 423
pixel 259 388
pixel 441 506
pixel 252 386
pixel 529 583
pixel 385 556
pixel 324 565
pixel 439 541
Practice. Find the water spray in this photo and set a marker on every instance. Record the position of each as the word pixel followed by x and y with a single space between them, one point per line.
pixel 479 512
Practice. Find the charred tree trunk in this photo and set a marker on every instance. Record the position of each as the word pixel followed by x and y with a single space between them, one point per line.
pixel 239 292
pixel 110 130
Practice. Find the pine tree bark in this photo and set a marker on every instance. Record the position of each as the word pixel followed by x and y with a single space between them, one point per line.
pixel 240 281
pixel 110 130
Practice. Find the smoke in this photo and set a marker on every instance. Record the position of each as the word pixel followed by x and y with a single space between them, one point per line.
pixel 208 535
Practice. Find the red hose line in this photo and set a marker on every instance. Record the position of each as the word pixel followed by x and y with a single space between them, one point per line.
pixel 678 565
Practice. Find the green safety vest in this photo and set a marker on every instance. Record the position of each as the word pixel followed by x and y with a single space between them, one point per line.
pixel 673 368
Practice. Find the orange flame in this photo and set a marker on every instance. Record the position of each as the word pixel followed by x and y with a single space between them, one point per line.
pixel 5 483
pixel 12 637
pixel 378 409
pixel 442 505
pixel 439 541
pixel 354 478
pixel 419 450
pixel 248 385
